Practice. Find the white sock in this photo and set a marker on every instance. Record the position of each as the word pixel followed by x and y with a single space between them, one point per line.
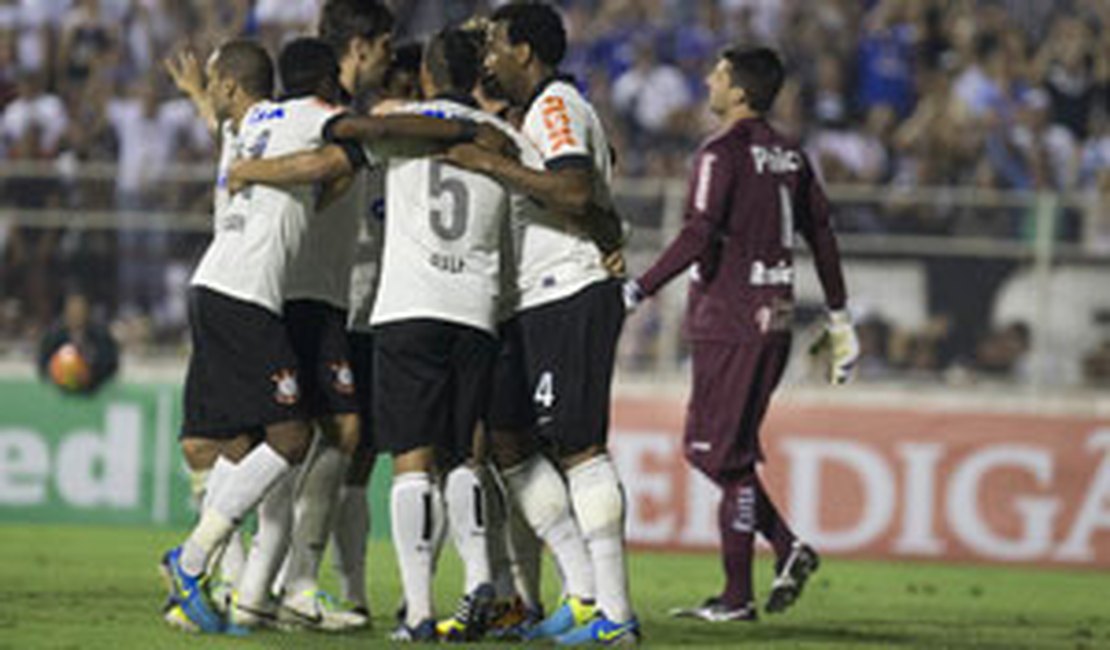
pixel 466 513
pixel 349 533
pixel 233 558
pixel 229 501
pixel 526 557
pixel 198 486
pixel 540 495
pixel 598 499
pixel 271 541
pixel 312 511
pixel 415 509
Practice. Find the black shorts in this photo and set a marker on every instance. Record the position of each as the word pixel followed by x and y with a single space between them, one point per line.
pixel 570 347
pixel 511 406
pixel 431 386
pixel 733 384
pixel 362 363
pixel 242 374
pixel 318 333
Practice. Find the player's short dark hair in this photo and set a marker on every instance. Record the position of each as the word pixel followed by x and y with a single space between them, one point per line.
pixel 453 58
pixel 308 66
pixel 405 60
pixel 759 71
pixel 249 65
pixel 341 21
pixel 539 25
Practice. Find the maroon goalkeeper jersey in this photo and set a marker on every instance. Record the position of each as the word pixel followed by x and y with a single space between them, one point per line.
pixel 750 191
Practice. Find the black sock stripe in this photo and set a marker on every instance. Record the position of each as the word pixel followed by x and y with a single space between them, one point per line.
pixel 479 515
pixel 426 534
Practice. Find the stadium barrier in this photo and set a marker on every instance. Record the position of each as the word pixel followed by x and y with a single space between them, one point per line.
pixel 894 483
pixel 855 480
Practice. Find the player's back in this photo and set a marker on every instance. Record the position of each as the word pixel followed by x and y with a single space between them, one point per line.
pixel 761 182
pixel 443 235
pixel 261 228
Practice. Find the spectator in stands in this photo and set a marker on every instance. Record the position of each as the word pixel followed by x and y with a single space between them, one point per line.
pixel 33 107
pixel 93 341
pixel 886 59
pixel 1003 352
pixel 651 97
pixel 88 38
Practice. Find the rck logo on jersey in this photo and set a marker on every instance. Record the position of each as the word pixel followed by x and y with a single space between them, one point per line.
pixel 557 122
pixel 343 379
pixel 286 389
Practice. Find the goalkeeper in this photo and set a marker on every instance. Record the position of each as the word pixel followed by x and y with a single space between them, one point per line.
pixel 751 191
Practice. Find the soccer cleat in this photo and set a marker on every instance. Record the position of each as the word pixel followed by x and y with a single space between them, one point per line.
pixel 471 618
pixel 174 616
pixel 251 616
pixel 573 612
pixel 424 632
pixel 792 575
pixel 713 610
pixel 189 593
pixel 511 618
pixel 222 594
pixel 315 610
pixel 602 631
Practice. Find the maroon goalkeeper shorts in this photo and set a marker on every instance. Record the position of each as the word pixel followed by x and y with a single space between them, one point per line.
pixel 733 383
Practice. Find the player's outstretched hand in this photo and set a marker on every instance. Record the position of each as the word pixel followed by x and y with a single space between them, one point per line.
pixel 614 264
pixel 840 341
pixel 235 182
pixel 186 73
pixel 494 139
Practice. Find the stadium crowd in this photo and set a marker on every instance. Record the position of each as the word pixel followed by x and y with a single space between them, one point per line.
pixel 1007 94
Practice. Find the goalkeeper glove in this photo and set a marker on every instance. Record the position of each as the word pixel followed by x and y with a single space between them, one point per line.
pixel 633 295
pixel 839 339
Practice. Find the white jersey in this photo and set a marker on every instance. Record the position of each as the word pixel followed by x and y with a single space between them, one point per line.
pixel 443 233
pixel 262 227
pixel 366 265
pixel 321 271
pixel 228 154
pixel 557 260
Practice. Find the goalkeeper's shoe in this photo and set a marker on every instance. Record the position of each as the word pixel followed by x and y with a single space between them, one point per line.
pixel 602 631
pixel 188 591
pixel 714 610
pixel 472 617
pixel 314 610
pixel 573 612
pixel 791 577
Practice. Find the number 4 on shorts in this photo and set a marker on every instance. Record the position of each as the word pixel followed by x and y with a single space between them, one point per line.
pixel 545 390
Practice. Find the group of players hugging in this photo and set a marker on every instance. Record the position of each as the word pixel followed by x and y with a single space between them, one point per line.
pixel 437 275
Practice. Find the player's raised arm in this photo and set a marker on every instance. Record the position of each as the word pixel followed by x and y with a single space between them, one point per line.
pixel 186 73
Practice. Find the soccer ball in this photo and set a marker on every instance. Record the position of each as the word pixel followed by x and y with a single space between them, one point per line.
pixel 68 369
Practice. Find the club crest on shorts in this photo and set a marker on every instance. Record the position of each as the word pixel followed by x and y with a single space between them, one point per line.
pixel 343 379
pixel 286 389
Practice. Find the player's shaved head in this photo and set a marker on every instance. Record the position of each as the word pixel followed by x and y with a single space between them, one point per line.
pixel 342 21
pixel 537 24
pixel 308 66
pixel 248 64
pixel 453 59
pixel 759 71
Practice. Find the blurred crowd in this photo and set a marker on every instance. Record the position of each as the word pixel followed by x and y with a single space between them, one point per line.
pixel 898 94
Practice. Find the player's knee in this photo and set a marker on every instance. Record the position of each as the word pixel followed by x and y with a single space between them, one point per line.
pixel 344 431
pixel 511 448
pixel 290 439
pixel 199 453
pixel 539 492
pixel 421 460
pixel 598 497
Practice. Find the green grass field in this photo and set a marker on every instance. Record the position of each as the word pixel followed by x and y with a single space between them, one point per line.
pixel 95 587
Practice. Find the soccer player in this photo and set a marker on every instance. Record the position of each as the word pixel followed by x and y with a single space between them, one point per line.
pixel 355 49
pixel 243 373
pixel 751 190
pixel 569 317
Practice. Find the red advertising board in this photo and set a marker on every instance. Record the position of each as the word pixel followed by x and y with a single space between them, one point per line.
pixel 894 483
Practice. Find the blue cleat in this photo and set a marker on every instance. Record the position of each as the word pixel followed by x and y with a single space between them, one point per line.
pixel 189 594
pixel 602 631
pixel 572 613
